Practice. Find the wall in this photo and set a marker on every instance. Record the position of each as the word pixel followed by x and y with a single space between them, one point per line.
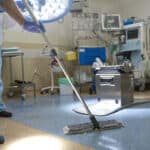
pixel 104 6
pixel 137 8
pixel 100 38
pixel 17 35
pixel 59 34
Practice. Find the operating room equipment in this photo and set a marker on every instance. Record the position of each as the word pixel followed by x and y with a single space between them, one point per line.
pixel 54 68
pixel 117 81
pixel 136 49
pixel 111 22
pixel 114 89
pixel 95 124
pixel 11 53
pixel 130 42
pixel 97 64
pixel 87 55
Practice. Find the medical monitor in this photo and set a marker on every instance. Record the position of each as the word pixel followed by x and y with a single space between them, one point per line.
pixel 111 22
pixel 132 34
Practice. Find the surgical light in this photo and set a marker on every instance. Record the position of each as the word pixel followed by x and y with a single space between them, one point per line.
pixel 46 10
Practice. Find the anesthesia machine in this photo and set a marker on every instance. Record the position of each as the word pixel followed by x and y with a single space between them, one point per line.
pixel 136 49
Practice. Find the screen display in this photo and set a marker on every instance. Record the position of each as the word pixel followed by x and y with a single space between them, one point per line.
pixel 132 34
pixel 111 22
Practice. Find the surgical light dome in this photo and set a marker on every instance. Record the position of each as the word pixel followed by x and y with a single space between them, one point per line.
pixel 46 10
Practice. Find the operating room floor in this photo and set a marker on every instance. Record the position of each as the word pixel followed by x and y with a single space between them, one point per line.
pixel 52 113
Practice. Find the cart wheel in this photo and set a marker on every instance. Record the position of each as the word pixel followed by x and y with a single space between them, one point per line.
pixel 99 99
pixel 117 101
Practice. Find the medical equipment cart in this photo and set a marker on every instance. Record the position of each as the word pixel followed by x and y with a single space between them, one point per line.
pixel 10 53
pixel 136 48
pixel 115 82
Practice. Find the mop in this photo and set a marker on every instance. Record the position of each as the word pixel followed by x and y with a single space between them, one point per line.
pixel 78 128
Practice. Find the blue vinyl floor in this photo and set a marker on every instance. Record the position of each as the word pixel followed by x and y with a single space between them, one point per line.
pixel 52 113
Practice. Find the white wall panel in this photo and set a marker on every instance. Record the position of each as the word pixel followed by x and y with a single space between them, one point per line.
pixel 137 8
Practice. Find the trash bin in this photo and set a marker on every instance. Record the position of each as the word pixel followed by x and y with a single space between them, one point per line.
pixel 65 87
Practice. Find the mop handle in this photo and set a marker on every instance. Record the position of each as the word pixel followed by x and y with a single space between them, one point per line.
pixel 62 68
pixel 37 22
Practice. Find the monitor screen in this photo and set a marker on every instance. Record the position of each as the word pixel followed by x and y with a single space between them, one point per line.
pixel 111 22
pixel 132 34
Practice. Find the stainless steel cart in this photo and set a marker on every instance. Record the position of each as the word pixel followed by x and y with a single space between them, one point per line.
pixel 10 53
pixel 114 83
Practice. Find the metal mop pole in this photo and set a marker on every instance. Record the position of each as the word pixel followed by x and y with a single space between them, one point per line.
pixel 91 116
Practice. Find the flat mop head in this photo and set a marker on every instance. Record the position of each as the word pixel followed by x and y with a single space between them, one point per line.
pixel 88 127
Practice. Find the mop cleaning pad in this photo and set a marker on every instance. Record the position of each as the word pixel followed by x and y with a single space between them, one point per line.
pixel 88 127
